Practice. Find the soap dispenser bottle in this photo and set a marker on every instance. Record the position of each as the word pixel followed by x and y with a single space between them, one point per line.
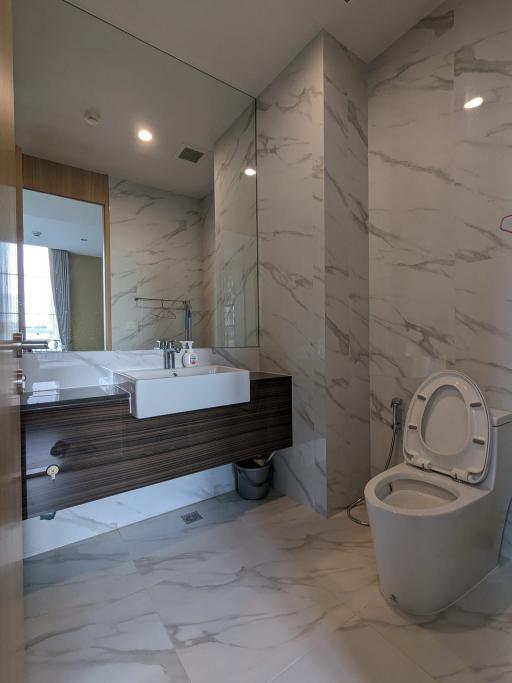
pixel 190 357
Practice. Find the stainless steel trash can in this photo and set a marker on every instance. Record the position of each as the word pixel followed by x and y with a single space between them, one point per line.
pixel 252 480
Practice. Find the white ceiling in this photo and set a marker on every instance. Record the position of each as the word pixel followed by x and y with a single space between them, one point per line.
pixel 248 42
pixel 67 62
pixel 63 223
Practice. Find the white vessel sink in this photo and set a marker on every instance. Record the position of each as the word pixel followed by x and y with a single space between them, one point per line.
pixel 162 392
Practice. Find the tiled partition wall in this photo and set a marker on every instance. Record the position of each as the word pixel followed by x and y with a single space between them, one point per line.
pixel 346 274
pixel 312 201
pixel 440 185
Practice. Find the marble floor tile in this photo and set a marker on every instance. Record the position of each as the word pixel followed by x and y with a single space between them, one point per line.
pixel 88 618
pixel 355 653
pixel 335 552
pixel 478 628
pixel 412 635
pixel 101 553
pixel 253 592
pixel 100 597
pixel 130 650
pixel 156 534
pixel 242 614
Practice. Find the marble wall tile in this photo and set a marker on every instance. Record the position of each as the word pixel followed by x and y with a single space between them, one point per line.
pixel 483 159
pixel 312 170
pixel 170 246
pixel 412 248
pixel 247 358
pixel 346 274
pixel 439 187
pixel 49 370
pixel 156 253
pixel 211 304
pixel 233 245
pixel 291 261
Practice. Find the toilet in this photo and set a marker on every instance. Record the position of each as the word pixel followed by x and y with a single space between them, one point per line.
pixel 437 519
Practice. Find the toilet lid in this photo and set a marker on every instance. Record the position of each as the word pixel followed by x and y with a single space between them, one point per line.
pixel 447 428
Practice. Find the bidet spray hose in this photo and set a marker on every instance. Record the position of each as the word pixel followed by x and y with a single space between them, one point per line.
pixel 396 426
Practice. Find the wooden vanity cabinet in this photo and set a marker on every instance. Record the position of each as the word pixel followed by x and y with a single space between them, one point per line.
pixel 101 450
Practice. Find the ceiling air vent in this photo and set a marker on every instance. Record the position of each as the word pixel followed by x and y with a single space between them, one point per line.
pixel 190 154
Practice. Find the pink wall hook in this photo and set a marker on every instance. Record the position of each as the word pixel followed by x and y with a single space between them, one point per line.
pixel 506 223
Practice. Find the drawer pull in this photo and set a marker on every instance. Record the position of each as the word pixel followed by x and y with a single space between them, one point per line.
pixel 52 471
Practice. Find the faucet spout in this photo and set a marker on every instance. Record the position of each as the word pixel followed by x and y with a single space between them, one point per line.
pixel 170 349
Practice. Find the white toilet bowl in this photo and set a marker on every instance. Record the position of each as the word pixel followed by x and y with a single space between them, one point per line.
pixel 437 519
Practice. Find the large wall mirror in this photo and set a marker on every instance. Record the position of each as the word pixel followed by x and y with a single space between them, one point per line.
pixel 137 176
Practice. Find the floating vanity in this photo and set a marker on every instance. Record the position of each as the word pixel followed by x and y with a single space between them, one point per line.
pixel 100 448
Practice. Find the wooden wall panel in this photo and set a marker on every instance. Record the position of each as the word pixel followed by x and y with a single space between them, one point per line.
pixel 51 177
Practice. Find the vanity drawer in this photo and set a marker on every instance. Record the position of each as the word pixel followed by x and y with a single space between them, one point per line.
pixel 74 437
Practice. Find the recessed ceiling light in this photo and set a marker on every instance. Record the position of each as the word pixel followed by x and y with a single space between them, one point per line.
pixel 250 171
pixel 473 103
pixel 145 135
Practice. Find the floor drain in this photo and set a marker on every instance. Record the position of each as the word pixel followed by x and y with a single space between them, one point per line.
pixel 191 517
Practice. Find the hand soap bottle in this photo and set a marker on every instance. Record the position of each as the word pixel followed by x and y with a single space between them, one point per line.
pixel 190 357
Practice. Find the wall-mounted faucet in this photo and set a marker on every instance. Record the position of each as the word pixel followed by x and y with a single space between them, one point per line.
pixel 170 347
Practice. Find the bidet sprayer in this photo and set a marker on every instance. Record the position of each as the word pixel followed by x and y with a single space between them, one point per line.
pixel 396 407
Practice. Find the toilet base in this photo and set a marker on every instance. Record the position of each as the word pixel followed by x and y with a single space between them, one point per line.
pixel 429 558
pixel 392 600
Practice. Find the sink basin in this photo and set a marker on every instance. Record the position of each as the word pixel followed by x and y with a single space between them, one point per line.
pixel 162 392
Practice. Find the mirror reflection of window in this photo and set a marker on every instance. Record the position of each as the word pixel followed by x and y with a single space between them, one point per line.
pixel 63 271
pixel 40 318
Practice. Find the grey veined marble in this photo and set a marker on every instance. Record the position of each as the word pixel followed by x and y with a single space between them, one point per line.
pixel 440 274
pixel 254 592
pixel 169 246
pixel 313 250
pixel 230 252
pixel 156 241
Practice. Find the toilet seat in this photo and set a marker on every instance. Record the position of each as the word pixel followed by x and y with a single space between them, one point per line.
pixel 452 496
pixel 447 429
